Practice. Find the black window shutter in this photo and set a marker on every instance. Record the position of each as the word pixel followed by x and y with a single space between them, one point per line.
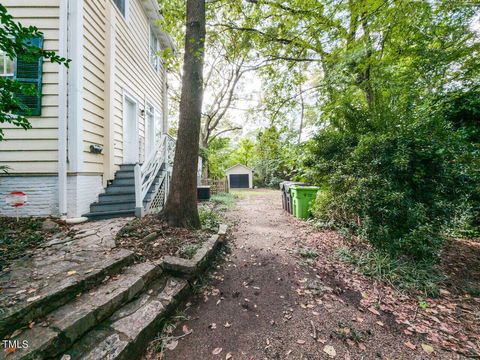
pixel 28 71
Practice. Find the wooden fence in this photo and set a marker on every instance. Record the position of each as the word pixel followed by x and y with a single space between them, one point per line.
pixel 216 186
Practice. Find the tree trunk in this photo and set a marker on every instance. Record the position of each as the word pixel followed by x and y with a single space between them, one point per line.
pixel 181 207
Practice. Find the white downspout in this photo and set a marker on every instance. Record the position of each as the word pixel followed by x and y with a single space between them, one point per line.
pixel 62 111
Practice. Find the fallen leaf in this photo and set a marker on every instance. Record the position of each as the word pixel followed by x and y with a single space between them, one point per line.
pixel 33 298
pixel 227 324
pixel 186 329
pixel 301 342
pixel 31 324
pixel 10 350
pixel 410 345
pixel 72 272
pixel 427 348
pixel 379 323
pixel 212 326
pixel 217 351
pixel 215 292
pixel 171 345
pixel 330 350
pixel 373 311
pixel 229 356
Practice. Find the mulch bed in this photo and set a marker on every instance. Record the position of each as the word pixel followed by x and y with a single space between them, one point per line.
pixel 151 238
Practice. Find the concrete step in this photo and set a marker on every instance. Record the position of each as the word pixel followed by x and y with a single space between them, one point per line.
pixel 112 206
pixel 69 322
pixel 113 198
pixel 109 214
pixel 124 181
pixel 126 333
pixel 120 189
pixel 62 288
pixel 124 174
pixel 129 167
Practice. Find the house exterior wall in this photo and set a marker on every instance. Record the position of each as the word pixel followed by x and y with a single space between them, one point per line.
pixel 134 74
pixel 94 77
pixel 114 61
pixel 36 150
pixel 41 191
pixel 239 170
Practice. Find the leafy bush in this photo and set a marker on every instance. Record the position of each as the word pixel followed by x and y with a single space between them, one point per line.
pixel 208 218
pixel 423 276
pixel 188 251
pixel 399 188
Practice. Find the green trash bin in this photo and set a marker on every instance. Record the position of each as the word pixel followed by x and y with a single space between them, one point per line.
pixel 302 197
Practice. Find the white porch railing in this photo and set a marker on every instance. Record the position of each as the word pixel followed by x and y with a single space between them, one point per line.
pixel 146 174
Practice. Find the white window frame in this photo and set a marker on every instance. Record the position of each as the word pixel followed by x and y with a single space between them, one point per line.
pixel 5 59
pixel 154 59
pixel 127 9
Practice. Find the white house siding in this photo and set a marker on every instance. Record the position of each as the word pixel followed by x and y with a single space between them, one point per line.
pixel 35 150
pixel 94 69
pixel 134 73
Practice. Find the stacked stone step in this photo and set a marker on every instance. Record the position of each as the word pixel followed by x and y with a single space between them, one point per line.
pixel 114 312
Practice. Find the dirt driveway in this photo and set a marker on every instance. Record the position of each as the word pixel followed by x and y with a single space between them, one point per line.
pixel 268 301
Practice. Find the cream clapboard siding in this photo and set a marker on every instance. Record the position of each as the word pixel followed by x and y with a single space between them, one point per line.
pixel 94 99
pixel 133 72
pixel 35 150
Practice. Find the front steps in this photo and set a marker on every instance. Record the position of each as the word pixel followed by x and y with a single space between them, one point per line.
pixel 118 200
pixel 115 319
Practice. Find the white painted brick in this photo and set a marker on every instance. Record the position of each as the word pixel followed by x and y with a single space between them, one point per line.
pixel 42 192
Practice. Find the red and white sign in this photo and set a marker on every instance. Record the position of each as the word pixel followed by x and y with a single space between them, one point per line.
pixel 16 199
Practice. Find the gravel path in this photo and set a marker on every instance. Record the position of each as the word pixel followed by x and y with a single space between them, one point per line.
pixel 269 302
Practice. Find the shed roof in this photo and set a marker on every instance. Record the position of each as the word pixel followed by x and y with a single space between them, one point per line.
pixel 241 165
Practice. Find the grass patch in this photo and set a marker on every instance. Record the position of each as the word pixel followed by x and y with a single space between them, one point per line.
pixel 308 253
pixel 223 201
pixel 422 276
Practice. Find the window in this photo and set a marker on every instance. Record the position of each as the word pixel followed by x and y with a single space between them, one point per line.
pixel 154 49
pixel 122 6
pixel 6 65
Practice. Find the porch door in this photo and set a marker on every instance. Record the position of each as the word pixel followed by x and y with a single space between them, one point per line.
pixel 150 130
pixel 130 133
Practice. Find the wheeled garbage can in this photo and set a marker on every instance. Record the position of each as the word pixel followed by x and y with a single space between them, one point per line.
pixel 302 198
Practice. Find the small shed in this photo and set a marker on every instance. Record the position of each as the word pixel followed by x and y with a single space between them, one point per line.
pixel 240 177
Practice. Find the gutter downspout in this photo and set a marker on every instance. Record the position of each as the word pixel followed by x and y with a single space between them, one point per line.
pixel 62 111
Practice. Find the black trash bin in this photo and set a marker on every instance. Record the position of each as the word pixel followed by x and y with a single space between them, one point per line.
pixel 203 193
pixel 284 194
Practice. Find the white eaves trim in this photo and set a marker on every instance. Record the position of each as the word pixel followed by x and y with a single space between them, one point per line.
pixel 152 10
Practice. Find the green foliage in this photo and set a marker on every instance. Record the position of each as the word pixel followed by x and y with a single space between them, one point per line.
pixel 13 38
pixel 208 218
pixel 223 201
pixel 188 251
pixel 244 153
pixel 308 253
pixel 423 276
pixel 217 156
pixel 399 189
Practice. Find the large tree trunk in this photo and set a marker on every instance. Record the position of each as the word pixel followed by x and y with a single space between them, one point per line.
pixel 181 207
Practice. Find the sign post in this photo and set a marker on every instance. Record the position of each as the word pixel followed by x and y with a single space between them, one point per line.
pixel 16 199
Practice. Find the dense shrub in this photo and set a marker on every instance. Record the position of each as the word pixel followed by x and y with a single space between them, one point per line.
pixel 399 188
